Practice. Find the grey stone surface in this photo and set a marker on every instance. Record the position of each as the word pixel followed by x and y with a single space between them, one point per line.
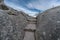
pixel 12 26
pixel 48 25
pixel 17 24
pixel 6 27
pixel 20 22
pixel 31 26
pixel 29 36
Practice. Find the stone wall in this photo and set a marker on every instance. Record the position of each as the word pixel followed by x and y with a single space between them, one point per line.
pixel 12 26
pixel 6 27
pixel 12 23
pixel 48 25
pixel 15 32
pixel 20 22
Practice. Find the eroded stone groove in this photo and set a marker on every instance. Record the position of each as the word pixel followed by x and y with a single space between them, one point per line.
pixel 30 30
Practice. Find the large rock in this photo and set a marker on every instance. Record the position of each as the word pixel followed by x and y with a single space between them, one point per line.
pixel 12 25
pixel 48 25
pixel 7 31
pixel 20 21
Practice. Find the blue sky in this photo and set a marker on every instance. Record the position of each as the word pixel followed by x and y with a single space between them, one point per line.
pixel 32 7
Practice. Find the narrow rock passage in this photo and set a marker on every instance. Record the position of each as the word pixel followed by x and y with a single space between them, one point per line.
pixel 30 30
pixel 29 36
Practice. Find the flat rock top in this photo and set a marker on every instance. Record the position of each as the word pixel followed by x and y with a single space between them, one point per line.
pixel 31 26
pixel 29 36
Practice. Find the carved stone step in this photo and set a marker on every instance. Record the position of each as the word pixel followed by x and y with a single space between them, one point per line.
pixel 31 26
pixel 30 30
pixel 29 36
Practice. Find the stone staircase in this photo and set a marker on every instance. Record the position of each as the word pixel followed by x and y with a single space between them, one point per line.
pixel 30 30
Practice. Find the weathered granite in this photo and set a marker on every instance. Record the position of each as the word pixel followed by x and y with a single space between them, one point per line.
pixel 15 22
pixel 13 29
pixel 7 31
pixel 20 21
pixel 48 25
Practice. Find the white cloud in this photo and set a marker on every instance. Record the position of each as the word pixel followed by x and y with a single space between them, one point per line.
pixel 37 4
pixel 43 4
pixel 30 5
pixel 31 13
